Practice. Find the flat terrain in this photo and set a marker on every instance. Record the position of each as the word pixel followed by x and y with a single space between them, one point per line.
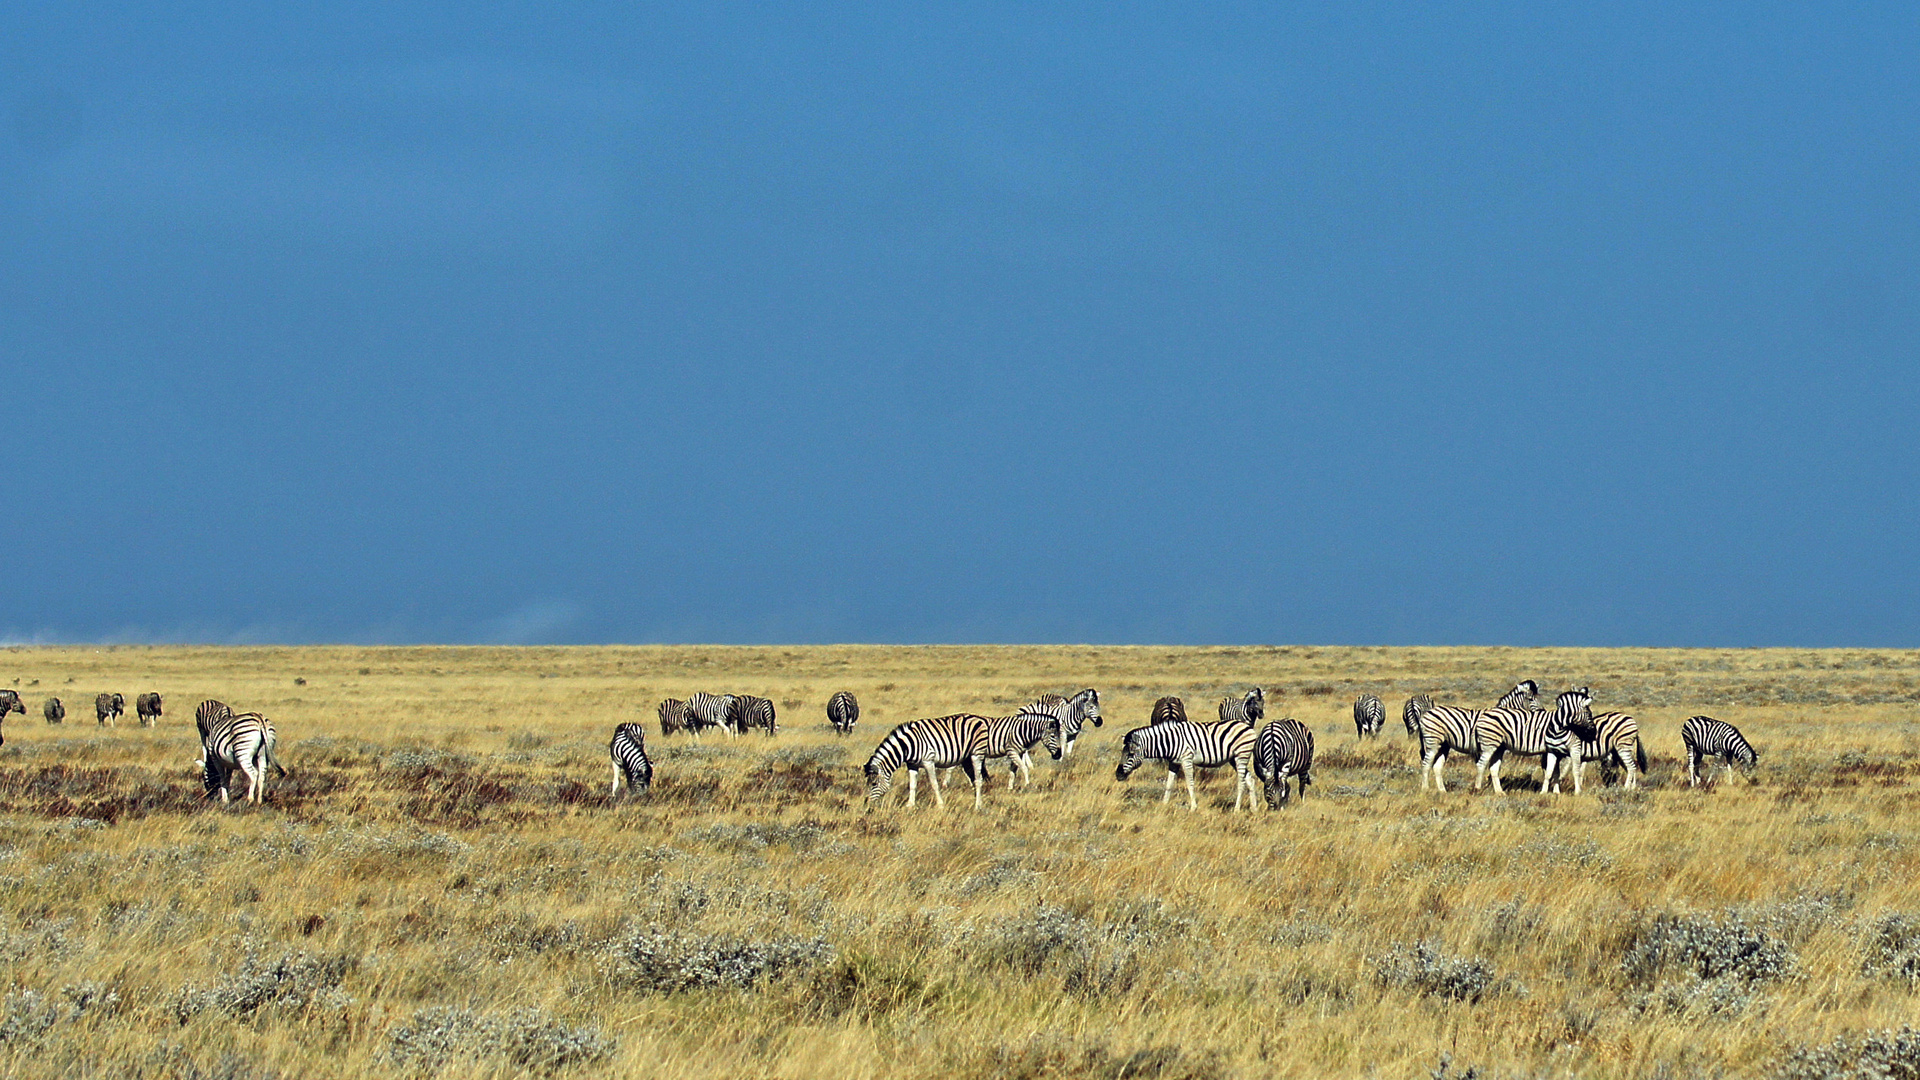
pixel 442 887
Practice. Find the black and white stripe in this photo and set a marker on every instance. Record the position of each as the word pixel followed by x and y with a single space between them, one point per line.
pixel 1527 732
pixel 1523 695
pixel 631 765
pixel 843 709
pixel 707 711
pixel 1248 708
pixel 148 706
pixel 1410 714
pixel 1168 710
pixel 1014 737
pixel 943 742
pixel 241 742
pixel 1369 717
pixel 1071 712
pixel 673 716
pixel 748 713
pixel 1283 751
pixel 55 710
pixel 9 703
pixel 1443 730
pixel 210 713
pixel 1183 746
pixel 108 707
pixel 1705 737
pixel 1611 738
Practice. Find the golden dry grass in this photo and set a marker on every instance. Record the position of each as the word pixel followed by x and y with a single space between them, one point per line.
pixel 443 880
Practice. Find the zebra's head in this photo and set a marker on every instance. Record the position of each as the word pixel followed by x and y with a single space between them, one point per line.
pixel 1276 789
pixel 878 781
pixel 1745 756
pixel 1255 703
pixel 10 702
pixel 1052 738
pixel 1130 756
pixel 1088 702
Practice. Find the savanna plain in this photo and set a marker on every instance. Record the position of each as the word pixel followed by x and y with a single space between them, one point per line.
pixel 443 887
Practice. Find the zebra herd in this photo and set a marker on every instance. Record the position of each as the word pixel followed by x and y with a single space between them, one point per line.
pixel 107 708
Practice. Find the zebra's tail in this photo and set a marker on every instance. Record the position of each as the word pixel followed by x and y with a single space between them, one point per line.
pixel 274 760
pixel 1640 755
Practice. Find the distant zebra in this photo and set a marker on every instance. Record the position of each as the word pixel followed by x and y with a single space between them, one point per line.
pixel 1071 712
pixel 108 707
pixel 706 711
pixel 748 712
pixel 55 711
pixel 148 706
pixel 1247 709
pixel 1184 746
pixel 673 716
pixel 1168 710
pixel 1528 732
pixel 243 742
pixel 943 742
pixel 1369 716
pixel 1410 714
pixel 1522 696
pixel 1705 737
pixel 210 713
pixel 630 762
pixel 1284 750
pixel 1443 729
pixel 10 703
pixel 842 710
pixel 1611 738
pixel 1014 737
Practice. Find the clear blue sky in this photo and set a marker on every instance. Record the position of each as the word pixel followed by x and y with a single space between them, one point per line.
pixel 613 322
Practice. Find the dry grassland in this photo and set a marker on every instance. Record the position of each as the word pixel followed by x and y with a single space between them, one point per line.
pixel 441 888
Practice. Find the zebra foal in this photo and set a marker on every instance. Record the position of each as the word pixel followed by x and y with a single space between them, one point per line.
pixel 842 710
pixel 1369 717
pixel 944 742
pixel 1284 750
pixel 1247 709
pixel 1071 713
pixel 242 742
pixel 630 762
pixel 1705 737
pixel 1183 746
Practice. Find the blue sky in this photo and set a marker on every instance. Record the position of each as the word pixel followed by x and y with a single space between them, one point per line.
pixel 1349 323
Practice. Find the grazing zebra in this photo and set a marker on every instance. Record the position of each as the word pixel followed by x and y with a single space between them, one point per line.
pixel 1168 710
pixel 673 716
pixel 630 762
pixel 148 705
pixel 1706 737
pixel 108 707
pixel 1611 738
pixel 54 710
pixel 1410 714
pixel 1444 729
pixel 1244 710
pixel 842 710
pixel 709 711
pixel 1071 712
pixel 1522 696
pixel 943 742
pixel 210 713
pixel 1284 750
pixel 242 741
pixel 1369 716
pixel 1184 746
pixel 748 712
pixel 1528 732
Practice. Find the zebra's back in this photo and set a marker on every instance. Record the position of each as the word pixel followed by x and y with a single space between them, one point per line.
pixel 748 713
pixel 54 710
pixel 843 709
pixel 1168 710
pixel 208 714
pixel 242 741
pixel 1369 716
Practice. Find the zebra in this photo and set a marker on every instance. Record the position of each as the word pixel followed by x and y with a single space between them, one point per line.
pixel 1071 712
pixel 1014 737
pixel 673 716
pixel 1522 696
pixel 242 741
pixel 1528 732
pixel 748 712
pixel 1248 709
pixel 55 711
pixel 1410 714
pixel 1444 729
pixel 108 707
pixel 1168 710
pixel 148 705
pixel 1611 738
pixel 210 713
pixel 1183 746
pixel 630 762
pixel 1284 750
pixel 709 711
pixel 1705 737
pixel 941 742
pixel 10 703
pixel 1369 716
pixel 842 710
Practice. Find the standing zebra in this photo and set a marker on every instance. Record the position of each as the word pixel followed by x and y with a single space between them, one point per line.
pixel 1183 746
pixel 1522 696
pixel 210 713
pixel 54 710
pixel 709 711
pixel 108 707
pixel 148 706
pixel 748 712
pixel 1284 750
pixel 1528 732
pixel 1369 716
pixel 1168 710
pixel 630 762
pixel 1611 738
pixel 1070 712
pixel 673 716
pixel 242 741
pixel 1014 737
pixel 842 710
pixel 1706 737
pixel 940 743
pixel 1444 729
pixel 1248 709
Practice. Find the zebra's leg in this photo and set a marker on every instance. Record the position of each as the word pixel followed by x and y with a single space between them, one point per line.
pixel 615 793
pixel 1167 795
pixel 1480 769
pixel 1633 770
pixel 1439 770
pixel 933 780
pixel 979 772
pixel 1426 766
pixel 1693 767
pixel 1193 804
pixel 913 786
pixel 1026 771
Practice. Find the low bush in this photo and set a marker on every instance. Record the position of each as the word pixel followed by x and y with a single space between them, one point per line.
pixel 291 983
pixel 528 1039
pixel 1424 969
pixel 1877 1055
pixel 670 963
